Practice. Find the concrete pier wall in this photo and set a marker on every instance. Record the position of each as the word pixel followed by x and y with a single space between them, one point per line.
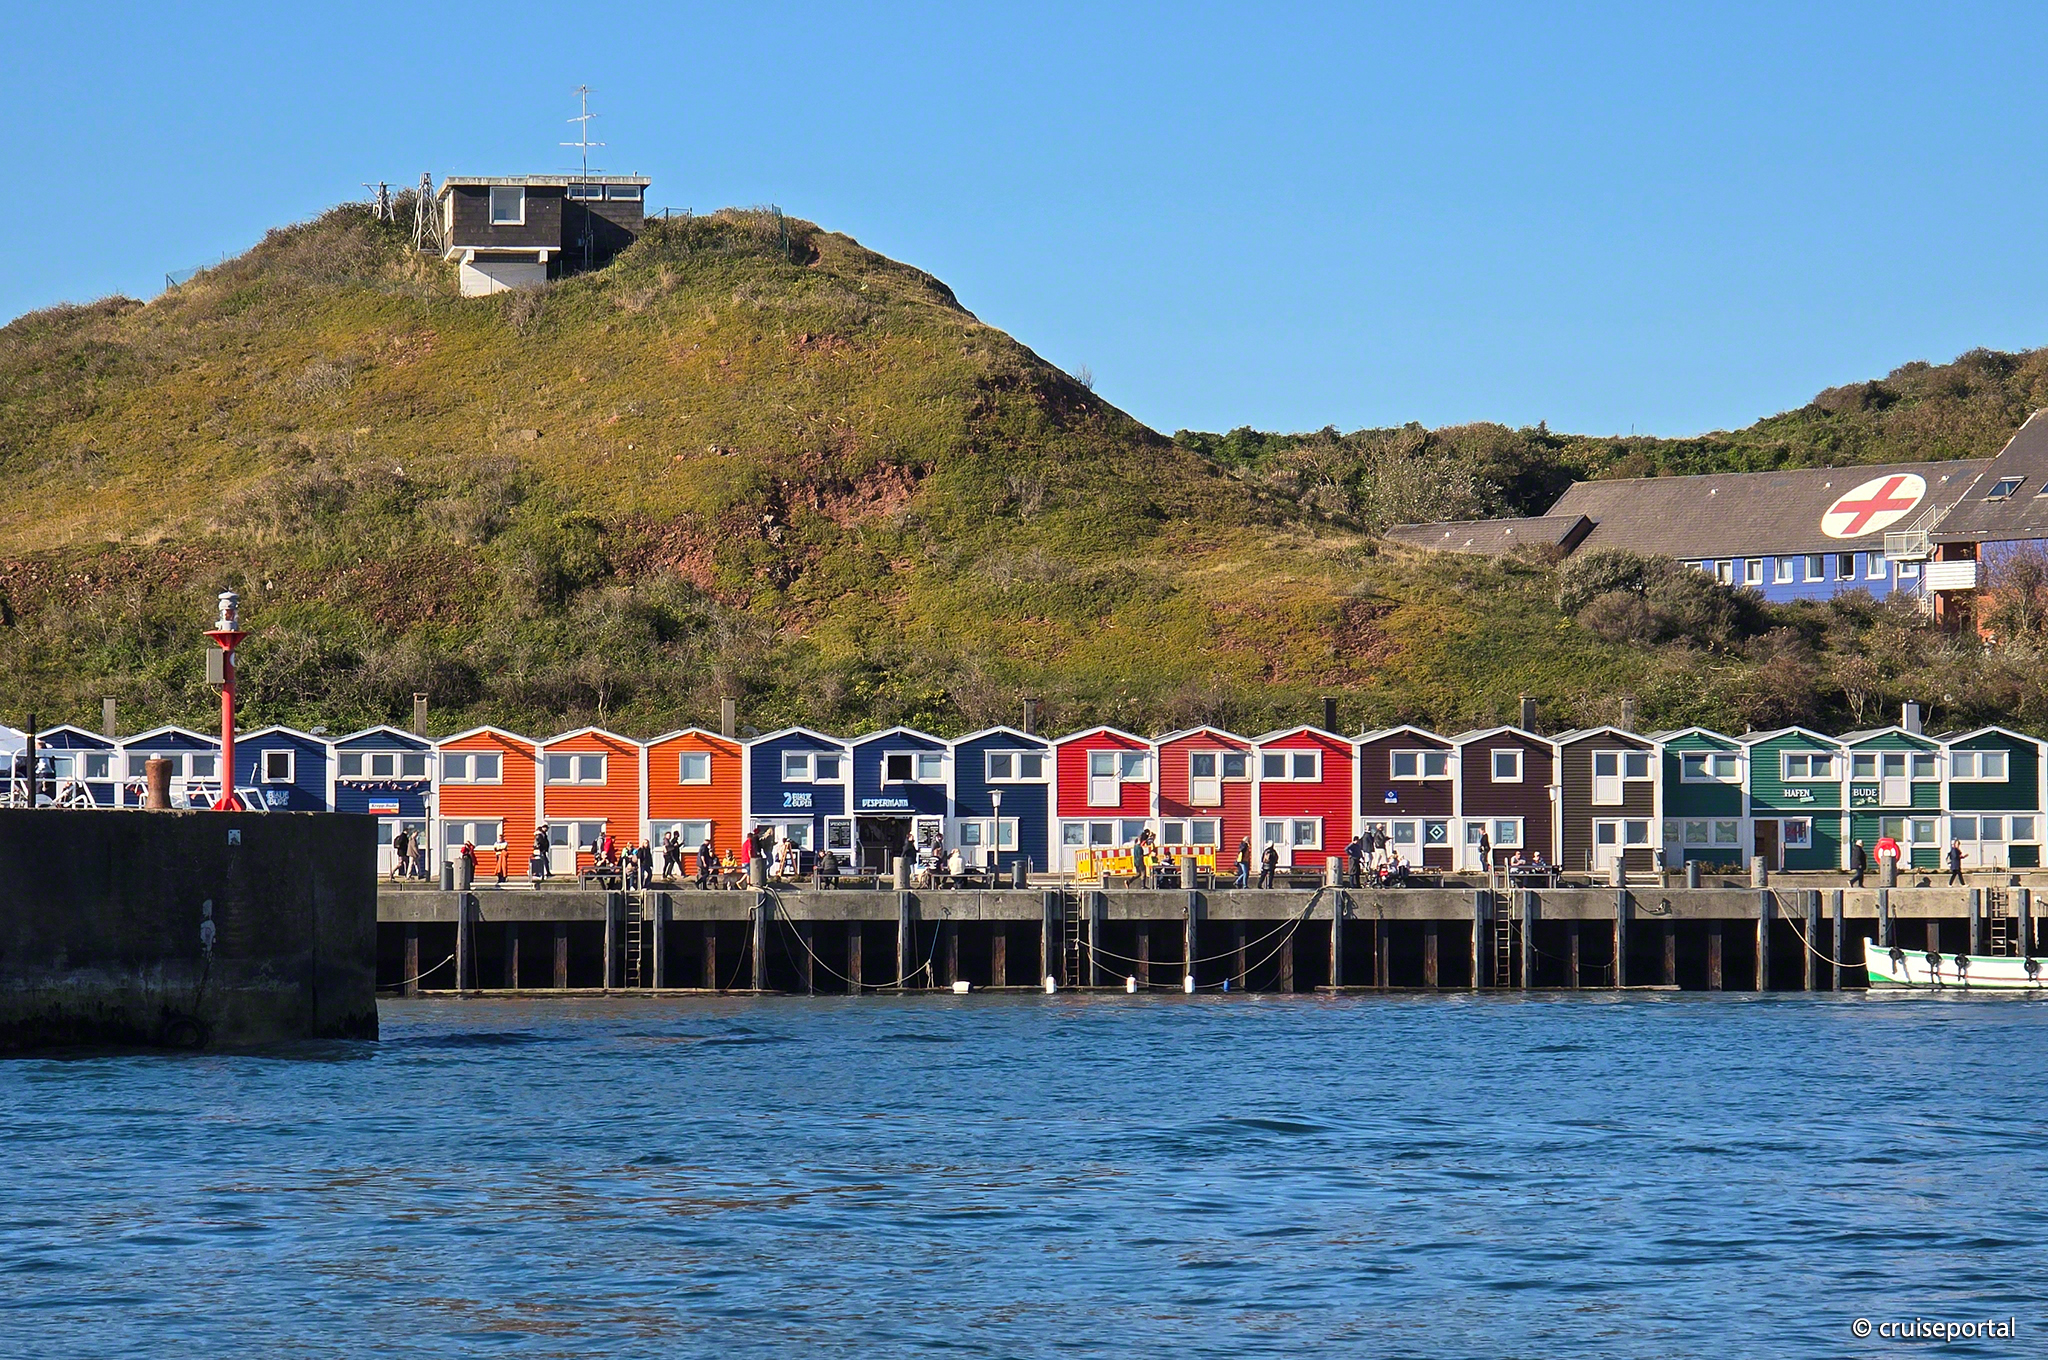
pixel 103 939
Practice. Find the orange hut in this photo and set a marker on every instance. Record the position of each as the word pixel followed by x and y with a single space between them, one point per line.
pixel 487 795
pixel 694 783
pixel 590 787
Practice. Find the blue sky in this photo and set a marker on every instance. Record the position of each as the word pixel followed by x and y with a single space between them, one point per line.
pixel 1283 216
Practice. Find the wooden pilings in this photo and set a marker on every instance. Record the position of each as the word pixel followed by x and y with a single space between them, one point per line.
pixel 1766 908
pixel 1623 909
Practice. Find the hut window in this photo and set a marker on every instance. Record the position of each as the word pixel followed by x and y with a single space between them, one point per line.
pixel 1073 833
pixel 1235 765
pixel 1306 833
pixel 1002 765
pixel 1798 832
pixel 1137 766
pixel 1202 765
pixel 413 764
pixel 202 766
pixel 1507 831
pixel 1816 567
pixel 896 768
pixel 1863 765
pixel 508 205
pixel 1308 765
pixel 1782 570
pixel 1809 765
pixel 694 833
pixel 1727 833
pixel 383 765
pixel 98 765
pixel 827 767
pixel 1635 833
pixel 2023 828
pixel 1635 765
pixel 349 765
pixel 1923 765
pixel 277 767
pixel 1273 765
pixel 1031 765
pixel 931 767
pixel 1202 832
pixel 1696 833
pixel 1507 767
pixel 696 767
pixel 796 767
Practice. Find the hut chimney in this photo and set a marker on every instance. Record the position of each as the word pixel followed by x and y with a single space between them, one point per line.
pixel 728 718
pixel 1528 713
pixel 109 726
pixel 1030 717
pixel 419 715
pixel 1329 715
pixel 1628 712
pixel 1909 718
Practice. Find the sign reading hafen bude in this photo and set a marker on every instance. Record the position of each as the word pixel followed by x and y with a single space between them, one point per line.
pixel 1877 504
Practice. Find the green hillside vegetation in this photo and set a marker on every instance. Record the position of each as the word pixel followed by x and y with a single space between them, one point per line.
pixel 753 458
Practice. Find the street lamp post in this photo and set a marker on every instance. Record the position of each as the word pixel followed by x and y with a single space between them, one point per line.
pixel 995 833
pixel 226 634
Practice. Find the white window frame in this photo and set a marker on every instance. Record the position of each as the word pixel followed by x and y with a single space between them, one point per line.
pixel 1015 756
pixel 491 205
pixel 1863 765
pixel 1105 790
pixel 1753 571
pixel 1620 794
pixel 1785 775
pixel 1786 833
pixel 1134 767
pixel 1649 765
pixel 98 765
pixel 371 767
pixel 801 773
pixel 683 759
pixel 1873 566
pixel 1244 766
pixel 1816 566
pixel 1977 756
pixel 1724 572
pixel 936 759
pixel 1493 765
pixel 1913 763
pixel 910 766
pixel 1707 775
pixel 291 765
pixel 1782 573
pixel 1422 757
pixel 472 762
pixel 576 775
pixel 2005 488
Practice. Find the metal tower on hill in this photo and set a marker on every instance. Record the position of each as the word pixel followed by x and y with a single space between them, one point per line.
pixel 426 222
pixel 582 120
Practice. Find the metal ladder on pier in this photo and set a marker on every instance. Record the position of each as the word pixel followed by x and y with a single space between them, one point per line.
pixel 1071 943
pixel 2002 936
pixel 1507 938
pixel 636 932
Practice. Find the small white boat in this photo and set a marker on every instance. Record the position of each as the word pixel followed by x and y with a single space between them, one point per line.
pixel 1925 971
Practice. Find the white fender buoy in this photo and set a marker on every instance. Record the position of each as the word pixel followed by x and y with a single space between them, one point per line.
pixel 1187 984
pixel 962 988
pixel 1130 985
pixel 1050 985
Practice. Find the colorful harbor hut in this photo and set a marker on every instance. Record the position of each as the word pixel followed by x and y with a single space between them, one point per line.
pixel 796 783
pixel 1307 796
pixel 902 781
pixel 488 794
pixel 388 774
pixel 1994 797
pixel 1504 794
pixel 1002 798
pixel 284 768
pixel 1607 801
pixel 590 788
pixel 1408 786
pixel 80 761
pixel 1702 797
pixel 1206 785
pixel 1895 789
pixel 195 766
pixel 1795 799
pixel 1102 790
pixel 695 784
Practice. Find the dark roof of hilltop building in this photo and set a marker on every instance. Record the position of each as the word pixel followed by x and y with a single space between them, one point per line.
pixel 1731 513
pixel 1494 537
pixel 2008 498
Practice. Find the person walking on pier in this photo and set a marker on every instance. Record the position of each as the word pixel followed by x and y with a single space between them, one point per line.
pixel 1268 863
pixel 1244 864
pixel 707 865
pixel 1859 864
pixel 672 853
pixel 1354 855
pixel 1138 863
pixel 1955 863
pixel 540 866
pixel 401 854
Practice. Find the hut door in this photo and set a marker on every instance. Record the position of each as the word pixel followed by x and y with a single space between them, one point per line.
pixel 1607 778
pixel 1897 790
pixel 1606 845
pixel 1767 842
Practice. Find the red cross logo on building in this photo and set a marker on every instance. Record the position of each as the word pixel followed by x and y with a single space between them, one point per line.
pixel 1877 504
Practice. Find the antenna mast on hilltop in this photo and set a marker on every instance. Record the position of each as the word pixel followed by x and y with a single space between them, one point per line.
pixel 583 145
pixel 426 222
pixel 380 202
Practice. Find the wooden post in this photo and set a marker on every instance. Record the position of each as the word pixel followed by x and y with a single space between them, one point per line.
pixel 1190 947
pixel 1976 920
pixel 561 956
pixel 1144 953
pixel 2023 907
pixel 1841 939
pixel 1098 906
pixel 1242 971
pixel 1622 913
pixel 1287 962
pixel 512 955
pixel 999 954
pixel 952 929
pixel 1337 905
pixel 1884 918
pixel 660 908
pixel 1812 976
pixel 1766 908
pixel 1714 944
pixel 1572 944
pixel 462 943
pixel 906 937
pixel 611 941
pixel 853 935
pixel 1049 927
pixel 1432 943
pixel 711 956
pixel 1481 901
pixel 1530 913
pixel 412 958
pixel 803 957
pixel 1671 952
pixel 1382 955
pixel 763 904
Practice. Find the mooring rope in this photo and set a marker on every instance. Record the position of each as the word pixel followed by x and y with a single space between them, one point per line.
pixel 411 980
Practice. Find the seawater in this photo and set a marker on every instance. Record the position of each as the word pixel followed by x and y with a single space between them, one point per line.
pixel 1636 1175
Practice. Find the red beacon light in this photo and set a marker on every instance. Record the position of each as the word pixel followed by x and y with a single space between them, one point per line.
pixel 227 634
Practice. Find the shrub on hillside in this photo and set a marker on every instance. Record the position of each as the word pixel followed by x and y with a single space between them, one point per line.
pixel 1627 597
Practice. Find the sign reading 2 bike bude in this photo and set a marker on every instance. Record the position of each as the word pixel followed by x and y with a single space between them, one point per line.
pixel 1876 504
pixel 793 799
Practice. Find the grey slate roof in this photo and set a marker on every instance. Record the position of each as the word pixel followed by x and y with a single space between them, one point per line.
pixel 2024 514
pixel 1731 514
pixel 1493 537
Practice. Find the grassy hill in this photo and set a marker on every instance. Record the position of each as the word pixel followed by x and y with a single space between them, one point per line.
pixel 752 457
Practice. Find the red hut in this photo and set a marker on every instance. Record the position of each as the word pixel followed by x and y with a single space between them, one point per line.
pixel 1306 795
pixel 1102 790
pixel 1205 780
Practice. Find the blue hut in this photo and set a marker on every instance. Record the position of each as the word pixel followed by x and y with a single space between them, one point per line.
pixel 283 769
pixel 796 782
pixel 387 774
pixel 82 763
pixel 901 794
pixel 1002 798
pixel 195 766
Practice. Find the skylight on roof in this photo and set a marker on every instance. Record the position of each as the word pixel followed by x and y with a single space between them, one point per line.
pixel 2003 487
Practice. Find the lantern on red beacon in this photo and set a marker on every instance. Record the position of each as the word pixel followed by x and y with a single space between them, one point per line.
pixel 226 634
